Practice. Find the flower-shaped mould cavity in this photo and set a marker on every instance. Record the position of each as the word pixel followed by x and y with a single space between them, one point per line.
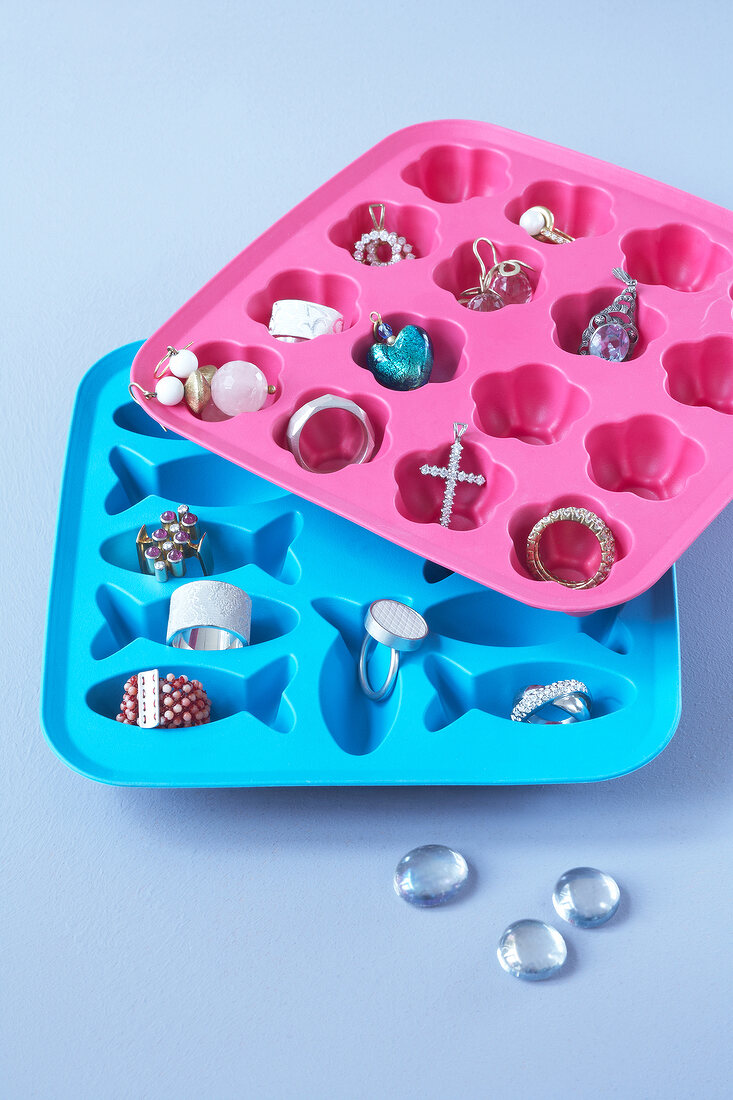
pixel 461 270
pixel 454 173
pixel 569 550
pixel 419 496
pixel 647 455
pixel 332 437
pixel 701 373
pixel 572 313
pixel 417 224
pixel 578 209
pixel 534 403
pixel 448 339
pixel 679 256
pixel 215 353
pixel 337 291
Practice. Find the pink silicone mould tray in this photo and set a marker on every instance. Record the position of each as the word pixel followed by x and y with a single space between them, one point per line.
pixel 646 443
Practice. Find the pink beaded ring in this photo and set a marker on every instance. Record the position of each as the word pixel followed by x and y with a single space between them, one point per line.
pixel 172 702
pixel 503 284
pixel 234 388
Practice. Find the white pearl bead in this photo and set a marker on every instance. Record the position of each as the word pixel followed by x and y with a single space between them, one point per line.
pixel 169 390
pixel 238 387
pixel 533 221
pixel 183 363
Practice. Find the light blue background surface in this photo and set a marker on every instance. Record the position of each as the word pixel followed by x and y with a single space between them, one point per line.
pixel 163 944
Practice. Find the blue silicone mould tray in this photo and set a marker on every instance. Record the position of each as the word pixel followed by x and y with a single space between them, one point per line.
pixel 288 710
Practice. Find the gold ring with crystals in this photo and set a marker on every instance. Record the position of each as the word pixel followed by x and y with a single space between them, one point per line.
pixel 587 519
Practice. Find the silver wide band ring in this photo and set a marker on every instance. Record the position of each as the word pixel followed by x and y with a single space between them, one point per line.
pixel 329 401
pixel 293 320
pixel 569 698
pixel 209 615
pixel 395 625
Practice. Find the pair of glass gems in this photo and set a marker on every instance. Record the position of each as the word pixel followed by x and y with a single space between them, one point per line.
pixel 528 949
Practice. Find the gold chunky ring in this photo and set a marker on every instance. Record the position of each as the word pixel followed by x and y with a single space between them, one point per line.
pixel 587 519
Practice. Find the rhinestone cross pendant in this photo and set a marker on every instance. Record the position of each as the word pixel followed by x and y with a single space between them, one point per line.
pixel 452 474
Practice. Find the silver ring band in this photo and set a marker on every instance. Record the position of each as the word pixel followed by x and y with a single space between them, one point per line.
pixel 377 694
pixel 301 416
pixel 398 627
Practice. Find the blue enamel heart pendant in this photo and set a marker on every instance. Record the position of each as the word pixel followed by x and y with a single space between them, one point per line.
pixel 402 362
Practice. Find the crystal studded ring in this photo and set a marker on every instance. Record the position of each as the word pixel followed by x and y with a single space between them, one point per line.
pixel 560 703
pixel 367 249
pixel 587 519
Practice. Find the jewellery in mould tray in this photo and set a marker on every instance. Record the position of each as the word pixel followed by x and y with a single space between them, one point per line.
pixel 397 626
pixel 503 284
pixel 612 334
pixel 209 615
pixel 163 553
pixel 587 519
pixel 293 320
pixel 324 404
pixel 172 702
pixel 539 222
pixel 380 242
pixel 402 362
pixel 558 704
pixel 235 387
pixel 452 474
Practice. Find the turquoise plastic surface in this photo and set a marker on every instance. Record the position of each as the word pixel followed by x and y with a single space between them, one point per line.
pixel 288 709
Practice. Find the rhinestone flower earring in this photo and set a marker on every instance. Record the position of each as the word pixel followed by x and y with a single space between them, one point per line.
pixel 503 284
pixel 381 247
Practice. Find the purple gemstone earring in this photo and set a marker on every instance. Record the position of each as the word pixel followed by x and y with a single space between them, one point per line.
pixel 503 284
pixel 612 334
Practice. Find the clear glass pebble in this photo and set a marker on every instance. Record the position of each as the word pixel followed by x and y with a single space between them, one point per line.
pixel 430 875
pixel 532 950
pixel 586 897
